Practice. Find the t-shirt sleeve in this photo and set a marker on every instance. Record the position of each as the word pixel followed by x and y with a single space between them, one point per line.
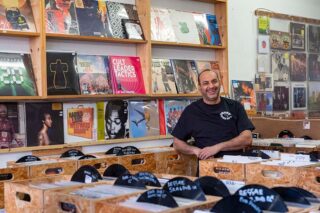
pixel 182 130
pixel 243 122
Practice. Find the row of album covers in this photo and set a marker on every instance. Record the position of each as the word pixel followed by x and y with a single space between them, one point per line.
pixel 40 124
pixel 105 18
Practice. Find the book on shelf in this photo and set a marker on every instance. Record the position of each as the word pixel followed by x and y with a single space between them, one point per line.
pixel 94 75
pixel 161 25
pixel 126 75
pixel 162 77
pixel 16 75
pixel 298 36
pixel 45 124
pixel 133 29
pixel 12 125
pixel 144 118
pixel 280 66
pixel 314 67
pixel 281 96
pixel 184 27
pixel 214 30
pixel 186 74
pixel 90 18
pixel 116 12
pixel 314 39
pixel 314 96
pixel 299 95
pixel 61 17
pixel 80 122
pixel 113 119
pixel 298 67
pixel 243 92
pixel 203 28
pixel 16 15
pixel 62 78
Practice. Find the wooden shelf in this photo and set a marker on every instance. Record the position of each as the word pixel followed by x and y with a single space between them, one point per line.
pixel 176 95
pixel 20 98
pixel 89 143
pixel 177 44
pixel 18 33
pixel 95 97
pixel 94 38
pixel 212 1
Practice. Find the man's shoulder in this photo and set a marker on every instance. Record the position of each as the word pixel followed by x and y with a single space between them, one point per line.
pixel 230 102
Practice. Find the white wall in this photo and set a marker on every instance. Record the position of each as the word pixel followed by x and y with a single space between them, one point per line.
pixel 242 29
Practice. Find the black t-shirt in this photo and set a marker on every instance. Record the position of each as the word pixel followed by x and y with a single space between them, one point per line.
pixel 212 124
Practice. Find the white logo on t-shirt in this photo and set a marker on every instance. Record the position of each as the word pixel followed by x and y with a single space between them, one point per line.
pixel 225 115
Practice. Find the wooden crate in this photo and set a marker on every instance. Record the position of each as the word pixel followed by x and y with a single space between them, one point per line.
pixel 113 206
pixel 139 162
pixel 9 175
pixel 100 163
pixel 309 179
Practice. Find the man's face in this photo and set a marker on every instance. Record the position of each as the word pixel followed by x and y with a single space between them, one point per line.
pixel 209 86
pixel 3 111
pixel 47 120
pixel 113 124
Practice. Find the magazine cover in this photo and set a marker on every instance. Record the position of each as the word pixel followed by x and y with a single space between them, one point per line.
pixel 94 76
pixel 16 15
pixel 126 75
pixel 264 102
pixel 16 75
pixel 61 17
pixel 263 24
pixel 263 82
pixel 244 93
pixel 314 39
pixel 185 73
pixel 314 67
pixel 161 25
pixel 298 39
pixel 214 30
pixel 144 118
pixel 62 78
pixel 281 96
pixel 162 77
pixel 299 96
pixel 298 67
pixel 172 112
pixel 314 96
pixel 184 27
pixel 80 122
pixel 203 28
pixel 263 44
pixel 280 66
pixel 44 123
pixel 12 125
pixel 90 18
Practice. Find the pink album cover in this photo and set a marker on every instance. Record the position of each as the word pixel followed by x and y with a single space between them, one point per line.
pixel 126 75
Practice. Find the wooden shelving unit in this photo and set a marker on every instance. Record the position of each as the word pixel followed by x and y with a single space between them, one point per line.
pixel 19 33
pixel 176 44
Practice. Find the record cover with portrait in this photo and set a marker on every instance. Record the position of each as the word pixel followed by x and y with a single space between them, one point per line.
pixel 161 25
pixel 16 75
pixel 298 67
pixel 162 77
pixel 62 78
pixel 314 67
pixel 280 40
pixel 314 39
pixel 263 44
pixel 172 112
pixel 186 74
pixel 264 102
pixel 12 125
pixel 280 66
pixel 80 122
pixel 46 120
pixel 263 82
pixel 203 28
pixel 281 96
pixel 314 96
pixel 144 118
pixel 298 39
pixel 94 76
pixel 243 92
pixel 299 96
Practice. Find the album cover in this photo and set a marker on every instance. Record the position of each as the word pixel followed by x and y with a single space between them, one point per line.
pixel 298 39
pixel 203 28
pixel 263 82
pixel 161 25
pixel 126 75
pixel 214 30
pixel 144 118
pixel 172 112
pixel 264 102
pixel 244 93
pixel 314 67
pixel 264 24
pixel 61 17
pixel 62 78
pixel 263 44
pixel 314 96
pixel 285 41
pixel 44 123
pixel 281 96
pixel 275 39
pixel 162 77
pixel 264 63
pixel 185 73
pixel 298 67
pixel 184 27
pixel 314 39
pixel 299 96
pixel 80 122
pixel 12 125
pixel 280 66
pixel 16 75
pixel 94 76
pixel 16 15
pixel 133 29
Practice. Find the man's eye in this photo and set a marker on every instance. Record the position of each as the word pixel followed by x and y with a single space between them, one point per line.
pixel 117 121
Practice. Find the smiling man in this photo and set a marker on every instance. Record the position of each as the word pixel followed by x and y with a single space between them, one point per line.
pixel 218 125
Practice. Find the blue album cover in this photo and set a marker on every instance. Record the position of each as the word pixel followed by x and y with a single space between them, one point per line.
pixel 173 110
pixel 214 30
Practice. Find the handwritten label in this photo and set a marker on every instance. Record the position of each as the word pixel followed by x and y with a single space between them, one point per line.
pixel 28 158
pixel 71 153
pixel 86 174
pixel 159 197
pixel 129 150
pixel 129 180
pixel 113 150
pixel 148 179
pixel 221 170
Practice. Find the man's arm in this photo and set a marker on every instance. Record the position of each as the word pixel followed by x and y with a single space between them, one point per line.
pixel 241 141
pixel 184 148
